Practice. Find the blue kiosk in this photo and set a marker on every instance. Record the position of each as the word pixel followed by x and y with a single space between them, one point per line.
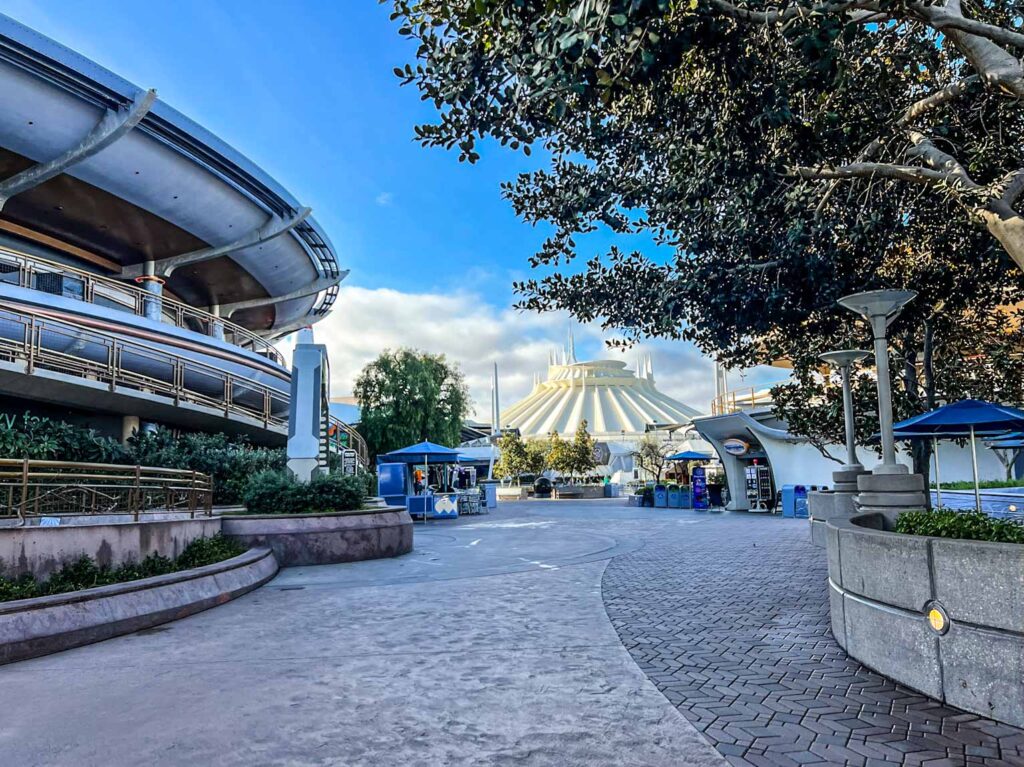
pixel 395 481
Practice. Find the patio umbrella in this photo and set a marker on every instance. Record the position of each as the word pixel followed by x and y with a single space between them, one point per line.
pixel 967 418
pixel 689 455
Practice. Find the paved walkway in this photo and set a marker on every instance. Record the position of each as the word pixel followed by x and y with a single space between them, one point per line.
pixel 491 644
pixel 731 622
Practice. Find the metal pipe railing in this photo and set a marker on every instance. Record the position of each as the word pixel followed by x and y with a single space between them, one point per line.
pixel 44 343
pixel 30 488
pixel 47 276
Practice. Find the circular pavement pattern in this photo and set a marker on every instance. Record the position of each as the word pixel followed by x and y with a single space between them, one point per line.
pixel 729 619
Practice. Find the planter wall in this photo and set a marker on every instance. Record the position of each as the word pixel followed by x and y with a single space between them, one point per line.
pixel 584 492
pixel 33 627
pixel 320 539
pixel 43 550
pixel 882 586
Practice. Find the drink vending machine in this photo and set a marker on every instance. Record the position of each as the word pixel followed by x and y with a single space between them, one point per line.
pixel 759 487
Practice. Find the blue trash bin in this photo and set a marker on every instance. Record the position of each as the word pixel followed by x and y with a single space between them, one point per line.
pixel 800 503
pixel 674 499
pixel 660 496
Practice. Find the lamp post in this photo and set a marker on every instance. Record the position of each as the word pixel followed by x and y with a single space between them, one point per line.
pixel 880 308
pixel 845 359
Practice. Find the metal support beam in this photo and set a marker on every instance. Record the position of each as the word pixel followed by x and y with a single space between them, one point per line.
pixel 273 227
pixel 112 126
pixel 323 283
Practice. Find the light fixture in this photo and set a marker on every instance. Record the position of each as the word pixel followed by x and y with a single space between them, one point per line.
pixel 845 359
pixel 880 308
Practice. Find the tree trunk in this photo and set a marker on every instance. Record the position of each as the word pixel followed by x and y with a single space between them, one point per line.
pixel 1009 230
pixel 920 449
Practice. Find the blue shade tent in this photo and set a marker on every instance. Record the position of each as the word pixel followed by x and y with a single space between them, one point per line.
pixel 967 418
pixel 689 455
pixel 424 452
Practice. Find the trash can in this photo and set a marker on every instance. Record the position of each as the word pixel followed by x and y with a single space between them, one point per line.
pixel 800 503
pixel 489 502
pixel 674 501
pixel 660 496
pixel 542 488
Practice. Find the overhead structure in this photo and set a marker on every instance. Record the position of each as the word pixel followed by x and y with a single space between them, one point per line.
pixel 144 262
pixel 616 402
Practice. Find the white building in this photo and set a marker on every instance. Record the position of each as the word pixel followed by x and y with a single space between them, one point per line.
pixel 744 430
pixel 620 407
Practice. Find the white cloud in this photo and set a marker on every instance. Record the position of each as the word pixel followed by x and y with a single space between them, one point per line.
pixel 475 335
pixel 384 199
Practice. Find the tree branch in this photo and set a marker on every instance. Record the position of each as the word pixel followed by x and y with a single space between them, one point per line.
pixel 936 100
pixel 910 173
pixel 941 19
pixel 934 157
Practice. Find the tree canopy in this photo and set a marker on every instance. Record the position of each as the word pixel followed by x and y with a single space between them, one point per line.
pixel 781 154
pixel 785 154
pixel 408 396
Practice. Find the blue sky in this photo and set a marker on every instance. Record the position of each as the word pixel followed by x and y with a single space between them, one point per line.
pixel 306 89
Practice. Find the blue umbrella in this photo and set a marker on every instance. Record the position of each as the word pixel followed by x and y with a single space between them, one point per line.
pixel 423 451
pixel 689 455
pixel 967 418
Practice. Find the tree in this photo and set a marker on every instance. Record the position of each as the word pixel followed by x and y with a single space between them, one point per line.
pixel 726 113
pixel 652 455
pixel 513 460
pixel 583 451
pixel 408 396
pixel 560 456
pixel 782 156
pixel 537 451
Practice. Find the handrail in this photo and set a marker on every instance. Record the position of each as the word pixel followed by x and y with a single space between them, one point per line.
pixel 743 399
pixel 355 441
pixel 171 375
pixel 104 291
pixel 46 488
pixel 181 378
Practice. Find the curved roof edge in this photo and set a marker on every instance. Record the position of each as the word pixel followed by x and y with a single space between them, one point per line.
pixel 48 59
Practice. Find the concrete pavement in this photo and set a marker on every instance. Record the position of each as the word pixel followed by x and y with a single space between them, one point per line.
pixel 489 644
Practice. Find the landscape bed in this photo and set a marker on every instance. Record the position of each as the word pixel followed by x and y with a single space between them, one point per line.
pixel 941 615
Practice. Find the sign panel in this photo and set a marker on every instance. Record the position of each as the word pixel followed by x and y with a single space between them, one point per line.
pixel 736 447
pixel 349 462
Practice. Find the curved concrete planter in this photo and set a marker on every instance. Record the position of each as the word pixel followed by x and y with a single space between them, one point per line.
pixel 882 586
pixel 32 627
pixel 321 539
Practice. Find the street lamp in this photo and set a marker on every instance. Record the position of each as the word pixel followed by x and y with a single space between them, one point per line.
pixel 880 308
pixel 845 359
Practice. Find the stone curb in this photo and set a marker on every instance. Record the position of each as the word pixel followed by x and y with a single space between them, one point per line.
pixel 44 625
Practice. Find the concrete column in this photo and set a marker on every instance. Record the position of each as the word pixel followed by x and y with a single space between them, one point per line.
pixel 129 424
pixel 888 465
pixel 216 327
pixel 152 308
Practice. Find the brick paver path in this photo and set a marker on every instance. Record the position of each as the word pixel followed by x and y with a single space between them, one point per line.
pixel 729 618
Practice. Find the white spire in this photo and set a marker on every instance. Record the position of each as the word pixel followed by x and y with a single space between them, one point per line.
pixel 571 350
pixel 649 372
pixel 495 403
pixel 639 367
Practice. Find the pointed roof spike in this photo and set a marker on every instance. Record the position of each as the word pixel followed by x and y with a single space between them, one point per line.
pixel 572 347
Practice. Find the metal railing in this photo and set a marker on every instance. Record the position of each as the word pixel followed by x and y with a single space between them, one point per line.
pixel 62 280
pixel 742 399
pixel 50 488
pixel 132 364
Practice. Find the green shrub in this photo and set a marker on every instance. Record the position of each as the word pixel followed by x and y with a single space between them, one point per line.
pixel 277 492
pixel 970 525
pixel 985 484
pixel 84 573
